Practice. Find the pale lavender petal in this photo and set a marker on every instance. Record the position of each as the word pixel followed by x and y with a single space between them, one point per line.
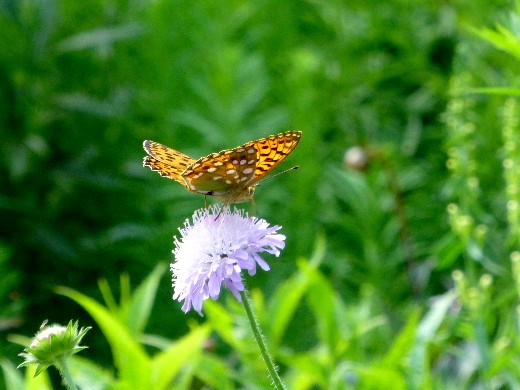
pixel 214 286
pixel 235 289
pixel 261 262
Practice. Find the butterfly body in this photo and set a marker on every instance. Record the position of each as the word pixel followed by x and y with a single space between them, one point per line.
pixel 228 175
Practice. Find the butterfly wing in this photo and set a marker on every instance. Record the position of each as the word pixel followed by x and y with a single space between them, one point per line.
pixel 227 175
pixel 233 171
pixel 168 162
pixel 271 151
pixel 221 173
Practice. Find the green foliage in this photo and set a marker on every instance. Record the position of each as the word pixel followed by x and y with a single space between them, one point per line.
pixel 136 369
pixel 414 280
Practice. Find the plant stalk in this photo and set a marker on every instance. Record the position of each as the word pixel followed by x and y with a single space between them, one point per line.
pixel 63 367
pixel 260 340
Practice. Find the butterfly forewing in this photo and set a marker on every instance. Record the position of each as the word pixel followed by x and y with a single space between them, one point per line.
pixel 272 150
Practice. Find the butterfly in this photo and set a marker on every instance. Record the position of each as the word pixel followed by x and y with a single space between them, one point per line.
pixel 229 175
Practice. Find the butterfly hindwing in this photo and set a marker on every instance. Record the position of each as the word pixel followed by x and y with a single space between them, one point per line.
pixel 168 162
pixel 168 155
pixel 220 173
pixel 164 169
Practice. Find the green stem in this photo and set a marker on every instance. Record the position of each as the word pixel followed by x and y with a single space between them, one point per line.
pixel 266 356
pixel 63 367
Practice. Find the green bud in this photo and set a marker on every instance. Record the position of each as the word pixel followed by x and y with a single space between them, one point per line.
pixel 52 344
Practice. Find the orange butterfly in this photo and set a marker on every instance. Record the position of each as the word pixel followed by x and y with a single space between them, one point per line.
pixel 228 175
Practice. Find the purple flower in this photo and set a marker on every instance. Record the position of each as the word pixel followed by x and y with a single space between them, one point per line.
pixel 214 249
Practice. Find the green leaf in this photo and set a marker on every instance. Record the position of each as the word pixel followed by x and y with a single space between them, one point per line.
pixel 88 375
pixel 381 378
pixel 140 306
pixel 404 341
pixel 215 372
pixel 448 250
pixel 501 38
pixel 12 377
pixel 418 361
pixel 99 37
pixel 288 296
pixel 33 382
pixel 168 363
pixel 283 304
pixel 321 298
pixel 504 91
pixel 308 365
pixel 222 322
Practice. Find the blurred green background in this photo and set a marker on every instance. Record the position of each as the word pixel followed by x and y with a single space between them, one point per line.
pixel 424 89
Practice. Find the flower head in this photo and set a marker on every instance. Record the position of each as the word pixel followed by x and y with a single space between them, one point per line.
pixel 53 343
pixel 214 249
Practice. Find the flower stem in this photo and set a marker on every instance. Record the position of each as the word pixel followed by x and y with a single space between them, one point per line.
pixel 63 367
pixel 260 340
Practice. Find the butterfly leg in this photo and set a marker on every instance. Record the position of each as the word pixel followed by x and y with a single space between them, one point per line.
pixel 254 208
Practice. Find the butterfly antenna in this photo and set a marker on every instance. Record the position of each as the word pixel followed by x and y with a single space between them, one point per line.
pixel 279 173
